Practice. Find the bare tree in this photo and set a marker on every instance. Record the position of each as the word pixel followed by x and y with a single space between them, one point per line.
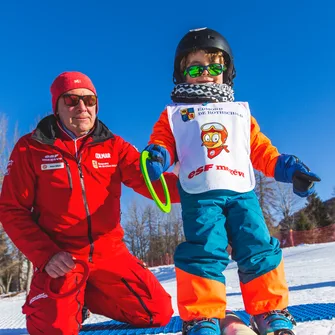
pixel 267 197
pixel 156 245
pixel 168 234
pixel 173 230
pixel 136 230
pixel 9 264
pixel 152 235
pixel 287 204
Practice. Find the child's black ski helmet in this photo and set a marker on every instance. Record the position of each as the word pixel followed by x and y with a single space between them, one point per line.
pixel 205 39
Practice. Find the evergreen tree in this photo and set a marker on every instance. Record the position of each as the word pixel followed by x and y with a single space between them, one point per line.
pixel 303 222
pixel 317 211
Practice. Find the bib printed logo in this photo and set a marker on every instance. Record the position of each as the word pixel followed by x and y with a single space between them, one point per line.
pixel 187 114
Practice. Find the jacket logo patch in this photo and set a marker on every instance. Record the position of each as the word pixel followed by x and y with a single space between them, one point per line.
pixel 52 166
pixel 101 165
pixel 102 156
pixel 51 158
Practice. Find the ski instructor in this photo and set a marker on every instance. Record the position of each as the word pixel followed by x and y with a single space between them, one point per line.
pixel 60 205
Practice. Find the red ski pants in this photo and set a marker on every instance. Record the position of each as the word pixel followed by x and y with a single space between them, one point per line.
pixel 119 287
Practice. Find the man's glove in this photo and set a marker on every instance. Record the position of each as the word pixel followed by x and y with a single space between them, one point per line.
pixel 289 169
pixel 158 162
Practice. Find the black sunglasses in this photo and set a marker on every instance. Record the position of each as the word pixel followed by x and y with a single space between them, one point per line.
pixel 72 100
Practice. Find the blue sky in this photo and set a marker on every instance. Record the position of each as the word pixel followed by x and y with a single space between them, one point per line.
pixel 284 57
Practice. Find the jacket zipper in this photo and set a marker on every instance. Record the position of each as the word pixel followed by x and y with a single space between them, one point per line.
pixel 89 221
pixel 69 177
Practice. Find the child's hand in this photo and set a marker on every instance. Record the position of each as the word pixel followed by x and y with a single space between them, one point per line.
pixel 303 183
pixel 158 162
pixel 289 169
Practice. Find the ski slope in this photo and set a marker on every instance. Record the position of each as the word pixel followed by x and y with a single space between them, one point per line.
pixel 310 272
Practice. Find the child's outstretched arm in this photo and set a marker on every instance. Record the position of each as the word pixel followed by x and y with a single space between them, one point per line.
pixel 284 168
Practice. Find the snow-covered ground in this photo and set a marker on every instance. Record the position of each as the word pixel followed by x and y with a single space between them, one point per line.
pixel 310 271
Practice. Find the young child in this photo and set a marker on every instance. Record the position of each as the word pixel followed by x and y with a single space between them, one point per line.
pixel 218 143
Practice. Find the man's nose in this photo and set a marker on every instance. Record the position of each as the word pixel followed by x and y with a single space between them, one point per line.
pixel 81 105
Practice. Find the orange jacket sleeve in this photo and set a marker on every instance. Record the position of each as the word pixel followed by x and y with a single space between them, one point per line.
pixel 263 155
pixel 163 136
pixel 16 204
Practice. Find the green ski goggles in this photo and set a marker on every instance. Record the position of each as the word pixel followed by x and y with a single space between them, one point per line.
pixel 214 69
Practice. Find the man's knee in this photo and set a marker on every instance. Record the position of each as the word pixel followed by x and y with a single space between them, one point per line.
pixel 163 317
pixel 157 313
pixel 163 314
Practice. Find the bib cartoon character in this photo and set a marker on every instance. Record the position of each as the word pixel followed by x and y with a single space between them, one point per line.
pixel 214 136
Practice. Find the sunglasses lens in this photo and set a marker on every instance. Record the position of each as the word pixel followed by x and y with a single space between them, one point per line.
pixel 195 71
pixel 215 69
pixel 90 100
pixel 71 100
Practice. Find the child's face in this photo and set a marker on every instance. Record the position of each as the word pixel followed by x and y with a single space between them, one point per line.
pixel 201 58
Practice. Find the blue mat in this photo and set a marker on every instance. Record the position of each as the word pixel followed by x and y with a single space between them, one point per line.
pixel 301 313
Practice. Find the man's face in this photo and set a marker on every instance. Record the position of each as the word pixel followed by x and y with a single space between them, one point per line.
pixel 79 118
pixel 201 58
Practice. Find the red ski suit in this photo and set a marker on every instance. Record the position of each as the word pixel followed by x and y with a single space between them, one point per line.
pixel 61 194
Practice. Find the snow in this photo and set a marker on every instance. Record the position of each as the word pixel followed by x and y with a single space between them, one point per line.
pixel 310 272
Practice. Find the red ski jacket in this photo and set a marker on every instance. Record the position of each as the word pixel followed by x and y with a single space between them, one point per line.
pixel 60 194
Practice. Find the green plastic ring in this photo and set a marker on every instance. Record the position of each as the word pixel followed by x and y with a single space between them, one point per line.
pixel 166 208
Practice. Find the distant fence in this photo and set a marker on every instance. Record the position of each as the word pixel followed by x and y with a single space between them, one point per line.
pixel 291 238
pixel 288 238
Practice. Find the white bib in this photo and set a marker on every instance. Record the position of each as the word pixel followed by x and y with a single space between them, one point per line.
pixel 213 146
